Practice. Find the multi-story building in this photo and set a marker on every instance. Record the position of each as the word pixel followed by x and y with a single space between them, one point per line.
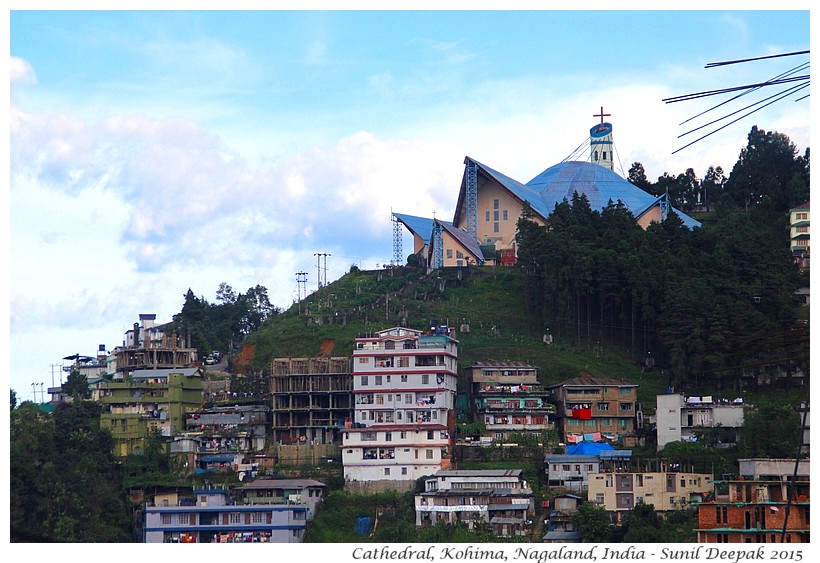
pixel 212 515
pixel 498 497
pixel 223 438
pixel 149 346
pixel 404 387
pixel 680 418
pixel 571 471
pixel 598 407
pixel 800 234
pixel 619 492
pixel 148 401
pixel 767 503
pixel 312 399
pixel 307 492
pixel 508 398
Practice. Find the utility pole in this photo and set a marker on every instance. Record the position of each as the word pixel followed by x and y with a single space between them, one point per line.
pixel 34 391
pixel 301 280
pixel 321 280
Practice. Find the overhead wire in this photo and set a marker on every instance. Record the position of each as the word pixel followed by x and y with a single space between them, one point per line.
pixel 780 79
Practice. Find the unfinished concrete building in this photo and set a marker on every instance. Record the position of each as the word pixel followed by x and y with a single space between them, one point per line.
pixel 312 399
pixel 152 346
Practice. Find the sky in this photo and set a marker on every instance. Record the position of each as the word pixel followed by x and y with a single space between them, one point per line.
pixel 152 152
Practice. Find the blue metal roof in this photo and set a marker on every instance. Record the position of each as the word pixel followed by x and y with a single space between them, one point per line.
pixel 599 184
pixel 420 226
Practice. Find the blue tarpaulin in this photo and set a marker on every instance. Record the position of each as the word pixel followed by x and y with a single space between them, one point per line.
pixel 588 448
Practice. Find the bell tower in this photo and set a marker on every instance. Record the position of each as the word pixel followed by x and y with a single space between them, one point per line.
pixel 600 142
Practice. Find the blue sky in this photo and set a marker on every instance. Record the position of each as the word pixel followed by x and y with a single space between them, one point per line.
pixel 152 152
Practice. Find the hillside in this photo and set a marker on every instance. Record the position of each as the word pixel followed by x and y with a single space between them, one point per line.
pixel 485 305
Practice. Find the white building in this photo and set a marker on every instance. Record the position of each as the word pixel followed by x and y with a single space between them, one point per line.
pixel 211 516
pixel 679 418
pixel 404 387
pixel 499 497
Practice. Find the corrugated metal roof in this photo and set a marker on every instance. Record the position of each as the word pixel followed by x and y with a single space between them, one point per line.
pixel 419 226
pixel 468 242
pixel 593 382
pixel 146 373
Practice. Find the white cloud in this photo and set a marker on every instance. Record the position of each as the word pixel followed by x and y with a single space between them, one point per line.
pixel 21 72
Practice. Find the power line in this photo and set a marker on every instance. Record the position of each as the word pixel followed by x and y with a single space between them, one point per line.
pixel 786 77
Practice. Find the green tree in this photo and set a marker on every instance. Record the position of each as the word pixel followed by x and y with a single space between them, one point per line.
pixel 592 521
pixel 76 385
pixel 771 429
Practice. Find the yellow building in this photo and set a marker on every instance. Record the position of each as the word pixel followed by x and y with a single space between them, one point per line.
pixel 619 492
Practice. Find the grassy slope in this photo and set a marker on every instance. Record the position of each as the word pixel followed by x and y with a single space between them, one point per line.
pixel 481 298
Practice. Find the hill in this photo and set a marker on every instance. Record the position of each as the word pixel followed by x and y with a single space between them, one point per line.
pixel 484 304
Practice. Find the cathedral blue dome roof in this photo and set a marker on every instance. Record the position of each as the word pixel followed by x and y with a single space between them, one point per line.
pixel 599 184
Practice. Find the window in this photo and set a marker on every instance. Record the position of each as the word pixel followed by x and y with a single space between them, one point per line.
pixel 599 498
pixel 626 407
pixel 184 518
pixel 459 254
pixel 604 155
pixel 388 436
pixel 387 471
pixel 429 454
pixel 495 204
pixel 449 253
pixel 363 360
pixel 496 228
pixel 495 215
pixel 603 406
pixel 234 518
pixel 256 517
pixel 403 377
pixel 364 381
pixel 504 215
pixel 166 518
pixel 408 398
pixel 378 380
pixel 379 399
pixel 429 434
pixel 487 216
pixel 388 379
pixel 404 471
pixel 425 378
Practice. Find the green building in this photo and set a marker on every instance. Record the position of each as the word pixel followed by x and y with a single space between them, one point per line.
pixel 149 400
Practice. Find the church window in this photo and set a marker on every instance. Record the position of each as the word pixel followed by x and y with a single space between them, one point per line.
pixel 495 204
pixel 496 228
pixel 495 215
pixel 449 253
pixel 604 155
pixel 486 215
pixel 459 254
pixel 504 215
pixel 596 156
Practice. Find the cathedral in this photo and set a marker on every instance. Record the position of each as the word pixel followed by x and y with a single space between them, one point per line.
pixel 483 228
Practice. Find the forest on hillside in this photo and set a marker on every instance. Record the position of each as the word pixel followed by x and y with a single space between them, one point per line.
pixel 712 304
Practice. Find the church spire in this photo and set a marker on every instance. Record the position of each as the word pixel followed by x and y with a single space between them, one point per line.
pixel 600 141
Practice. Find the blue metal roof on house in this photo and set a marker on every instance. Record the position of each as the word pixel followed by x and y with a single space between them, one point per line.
pixel 599 184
